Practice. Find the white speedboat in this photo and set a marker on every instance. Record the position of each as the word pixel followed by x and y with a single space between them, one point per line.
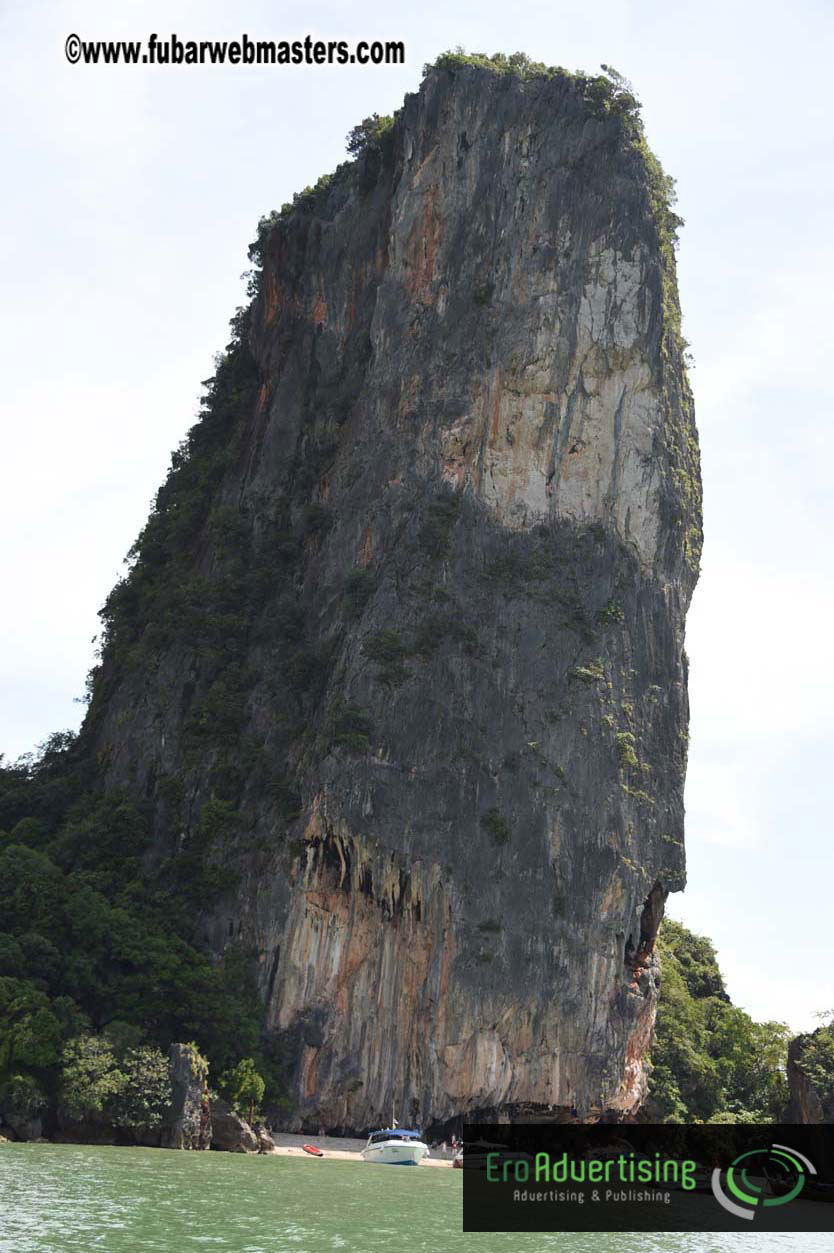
pixel 395 1148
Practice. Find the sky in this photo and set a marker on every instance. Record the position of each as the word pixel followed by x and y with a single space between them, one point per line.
pixel 130 197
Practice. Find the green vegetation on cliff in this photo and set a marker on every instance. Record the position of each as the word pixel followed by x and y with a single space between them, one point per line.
pixel 99 960
pixel 815 1059
pixel 710 1061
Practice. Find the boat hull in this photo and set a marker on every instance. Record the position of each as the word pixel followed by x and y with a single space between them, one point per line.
pixel 396 1153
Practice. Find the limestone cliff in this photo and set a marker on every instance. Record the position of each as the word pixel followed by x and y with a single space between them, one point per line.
pixel 399 666
pixel 811 1077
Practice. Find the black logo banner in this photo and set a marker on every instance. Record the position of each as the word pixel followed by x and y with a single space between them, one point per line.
pixel 643 1177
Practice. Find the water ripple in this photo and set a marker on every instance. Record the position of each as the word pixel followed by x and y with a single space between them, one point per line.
pixel 63 1198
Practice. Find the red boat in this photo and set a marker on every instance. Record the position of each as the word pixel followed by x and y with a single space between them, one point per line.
pixel 312 1150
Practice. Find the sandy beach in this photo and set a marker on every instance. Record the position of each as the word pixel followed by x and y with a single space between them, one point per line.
pixel 340 1148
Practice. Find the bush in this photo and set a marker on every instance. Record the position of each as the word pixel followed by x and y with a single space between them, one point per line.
pixel 133 1090
pixel 11 955
pixel 626 753
pixel 30 1031
pixel 91 1077
pixel 387 649
pixel 434 629
pixel 610 613
pixel 218 822
pixel 435 533
pixel 145 1095
pixel 517 63
pixel 496 826
pixel 360 586
pixel 351 728
pixel 21 1097
pixel 368 134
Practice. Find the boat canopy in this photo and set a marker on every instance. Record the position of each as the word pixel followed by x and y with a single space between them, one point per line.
pixel 396 1131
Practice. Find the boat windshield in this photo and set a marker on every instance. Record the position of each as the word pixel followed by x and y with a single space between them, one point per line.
pixel 377 1137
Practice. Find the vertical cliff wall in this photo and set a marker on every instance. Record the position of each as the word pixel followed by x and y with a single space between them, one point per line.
pixel 811 1077
pixel 399 666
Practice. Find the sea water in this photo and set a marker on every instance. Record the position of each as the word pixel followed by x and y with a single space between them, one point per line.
pixel 121 1200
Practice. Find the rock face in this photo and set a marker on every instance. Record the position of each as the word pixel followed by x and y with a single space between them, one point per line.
pixel 807 1104
pixel 231 1133
pixel 422 698
pixel 96 1129
pixel 188 1123
pixel 22 1128
pixel 266 1144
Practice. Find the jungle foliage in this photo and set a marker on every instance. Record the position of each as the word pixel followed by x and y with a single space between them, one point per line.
pixel 99 959
pixel 816 1059
pixel 710 1061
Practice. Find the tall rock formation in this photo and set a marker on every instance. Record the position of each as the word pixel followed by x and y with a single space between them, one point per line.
pixel 399 665
pixel 188 1123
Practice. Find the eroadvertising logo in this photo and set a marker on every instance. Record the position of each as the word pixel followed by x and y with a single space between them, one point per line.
pixel 641 1177
pixel 751 1183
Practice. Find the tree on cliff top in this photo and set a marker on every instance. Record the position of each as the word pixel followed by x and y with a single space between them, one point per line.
pixel 368 133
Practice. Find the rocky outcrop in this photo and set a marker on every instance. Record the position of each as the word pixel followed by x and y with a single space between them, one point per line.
pixel 94 1129
pixel 187 1124
pixel 266 1144
pixel 21 1127
pixel 230 1132
pixel 401 657
pixel 22 1105
pixel 808 1102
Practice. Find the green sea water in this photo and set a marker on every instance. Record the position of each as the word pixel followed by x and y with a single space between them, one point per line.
pixel 121 1200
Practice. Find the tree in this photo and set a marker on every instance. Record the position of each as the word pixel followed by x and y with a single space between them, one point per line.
pixel 91 1077
pixel 12 960
pixel 22 1097
pixel 30 1034
pixel 243 1087
pixel 30 888
pixel 367 134
pixel 145 1095
pixel 131 1090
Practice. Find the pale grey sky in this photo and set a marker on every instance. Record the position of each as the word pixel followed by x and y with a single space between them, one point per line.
pixel 130 196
